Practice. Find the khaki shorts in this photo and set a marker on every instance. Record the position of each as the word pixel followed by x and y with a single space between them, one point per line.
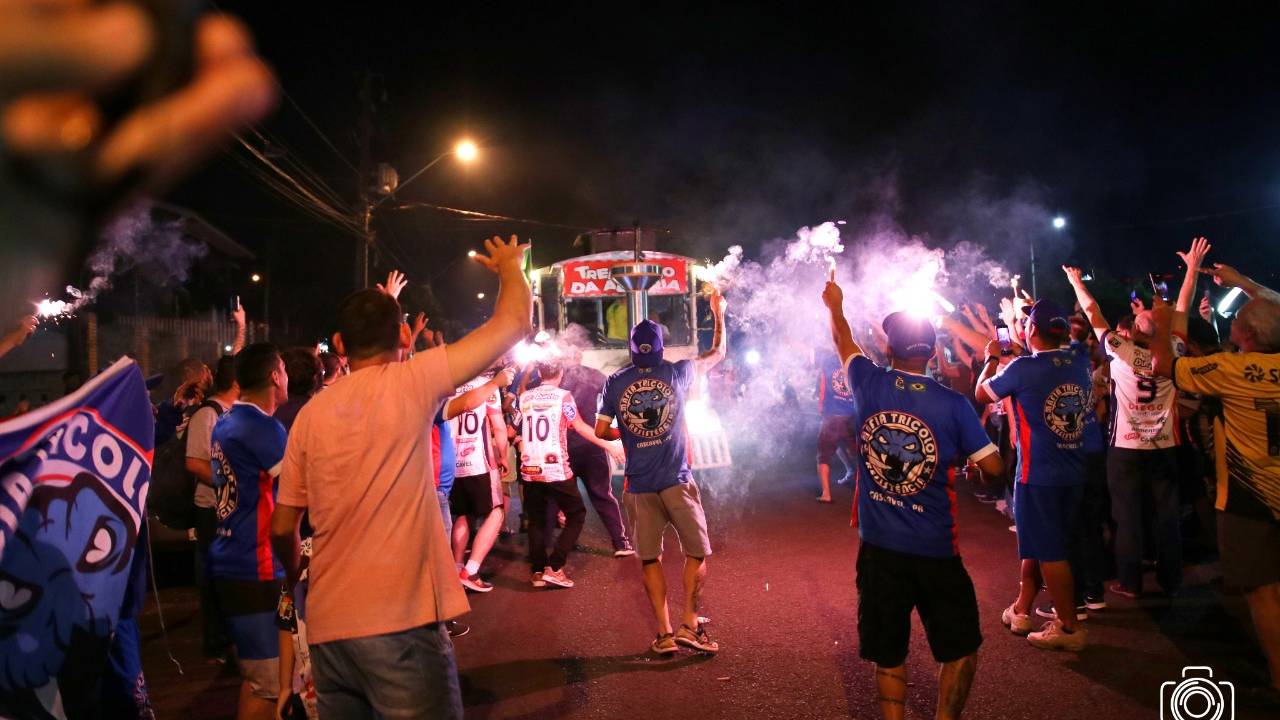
pixel 651 513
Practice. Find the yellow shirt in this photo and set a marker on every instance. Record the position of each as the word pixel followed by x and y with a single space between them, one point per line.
pixel 1247 441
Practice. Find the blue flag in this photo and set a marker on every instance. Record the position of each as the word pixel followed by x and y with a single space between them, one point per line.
pixel 73 488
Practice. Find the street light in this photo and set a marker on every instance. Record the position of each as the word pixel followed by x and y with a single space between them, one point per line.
pixel 471 253
pixel 255 277
pixel 479 296
pixel 1059 222
pixel 466 151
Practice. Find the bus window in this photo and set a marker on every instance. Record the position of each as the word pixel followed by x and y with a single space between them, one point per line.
pixel 672 313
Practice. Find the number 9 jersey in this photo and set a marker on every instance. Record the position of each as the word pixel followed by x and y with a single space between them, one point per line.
pixel 1144 405
pixel 546 412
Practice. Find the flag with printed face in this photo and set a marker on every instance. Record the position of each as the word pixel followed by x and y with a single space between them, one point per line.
pixel 73 488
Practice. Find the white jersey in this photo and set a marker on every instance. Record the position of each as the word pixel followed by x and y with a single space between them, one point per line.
pixel 1145 412
pixel 546 414
pixel 471 434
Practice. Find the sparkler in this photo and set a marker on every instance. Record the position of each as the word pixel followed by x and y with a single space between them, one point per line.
pixel 831 268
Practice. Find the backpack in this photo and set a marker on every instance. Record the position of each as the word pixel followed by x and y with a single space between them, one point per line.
pixel 172 496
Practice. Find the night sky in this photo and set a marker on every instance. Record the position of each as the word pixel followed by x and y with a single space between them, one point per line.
pixel 1144 126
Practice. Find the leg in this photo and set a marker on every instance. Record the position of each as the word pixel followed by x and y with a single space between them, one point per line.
pixel 535 505
pixel 954 681
pixel 1028 586
pixel 593 470
pixel 486 536
pixel 845 454
pixel 461 534
pixel 1057 576
pixel 1264 606
pixel 1163 477
pixel 575 516
pixel 253 707
pixel 892 686
pixel 824 477
pixel 213 634
pixel 655 585
pixel 335 673
pixel 1126 508
pixel 695 575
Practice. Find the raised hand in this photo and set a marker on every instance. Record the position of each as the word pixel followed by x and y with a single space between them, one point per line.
pixel 504 377
pixel 833 296
pixel 1136 306
pixel 1226 276
pixel 419 324
pixel 1206 308
pixel 238 314
pixel 20 332
pixel 501 256
pixel 1074 274
pixel 395 283
pixel 1194 257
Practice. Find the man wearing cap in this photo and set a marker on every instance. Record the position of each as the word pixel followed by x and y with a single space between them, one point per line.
pixel 1050 394
pixel 909 429
pixel 647 398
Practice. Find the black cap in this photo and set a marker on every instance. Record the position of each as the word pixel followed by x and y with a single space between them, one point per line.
pixel 909 336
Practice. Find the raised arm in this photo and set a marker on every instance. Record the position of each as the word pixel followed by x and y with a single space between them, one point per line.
pixel 1229 277
pixel 238 316
pixel 1193 259
pixel 512 314
pixel 841 333
pixel 1087 302
pixel 1161 343
pixel 719 341
pixel 965 334
pixel 477 396
pixel 18 334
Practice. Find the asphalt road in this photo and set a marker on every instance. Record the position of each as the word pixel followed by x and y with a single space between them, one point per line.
pixel 781 600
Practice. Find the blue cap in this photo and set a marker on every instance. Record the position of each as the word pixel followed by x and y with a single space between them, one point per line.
pixel 646 344
pixel 909 336
pixel 1049 317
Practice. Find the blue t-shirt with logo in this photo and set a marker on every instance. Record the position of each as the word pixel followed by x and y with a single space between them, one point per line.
pixel 246 451
pixel 1049 406
pixel 909 430
pixel 835 397
pixel 649 406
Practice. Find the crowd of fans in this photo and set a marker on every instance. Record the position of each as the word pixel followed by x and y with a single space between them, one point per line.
pixel 1106 446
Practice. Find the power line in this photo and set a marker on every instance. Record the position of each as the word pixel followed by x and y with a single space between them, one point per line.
pixel 482 216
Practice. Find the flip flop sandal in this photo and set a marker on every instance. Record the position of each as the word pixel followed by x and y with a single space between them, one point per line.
pixel 697 639
pixel 664 644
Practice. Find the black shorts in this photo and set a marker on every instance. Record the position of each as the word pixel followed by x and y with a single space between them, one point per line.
pixel 1250 550
pixel 475 495
pixel 891 584
pixel 836 432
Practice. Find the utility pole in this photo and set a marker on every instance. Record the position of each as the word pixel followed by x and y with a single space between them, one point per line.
pixel 365 207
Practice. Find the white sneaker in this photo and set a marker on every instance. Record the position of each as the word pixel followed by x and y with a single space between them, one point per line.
pixel 1051 612
pixel 556 577
pixel 1052 637
pixel 1017 623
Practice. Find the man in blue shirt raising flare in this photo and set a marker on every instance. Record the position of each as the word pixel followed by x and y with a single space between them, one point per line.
pixel 909 429
pixel 1049 393
pixel 648 399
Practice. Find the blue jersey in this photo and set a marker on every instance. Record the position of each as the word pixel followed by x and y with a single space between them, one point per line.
pixel 909 430
pixel 448 453
pixel 1050 397
pixel 1094 442
pixel 246 451
pixel 835 397
pixel 649 406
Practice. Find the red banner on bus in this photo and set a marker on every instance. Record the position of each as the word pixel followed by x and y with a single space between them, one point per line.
pixel 590 278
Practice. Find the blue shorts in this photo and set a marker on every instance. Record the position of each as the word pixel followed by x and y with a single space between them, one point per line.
pixel 249 609
pixel 1045 516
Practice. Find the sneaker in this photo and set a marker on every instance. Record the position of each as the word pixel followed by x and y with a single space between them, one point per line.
pixel 1095 601
pixel 457 629
pixel 664 644
pixel 1017 623
pixel 848 478
pixel 625 551
pixel 696 639
pixel 1053 637
pixel 537 580
pixel 1122 591
pixel 474 583
pixel 1013 529
pixel 1049 611
pixel 556 577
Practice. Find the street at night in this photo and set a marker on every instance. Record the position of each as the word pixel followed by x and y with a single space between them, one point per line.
pixel 782 604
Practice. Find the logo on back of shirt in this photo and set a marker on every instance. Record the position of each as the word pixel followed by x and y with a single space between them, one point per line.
pixel 900 450
pixel 646 407
pixel 1064 411
pixel 225 490
pixel 840 384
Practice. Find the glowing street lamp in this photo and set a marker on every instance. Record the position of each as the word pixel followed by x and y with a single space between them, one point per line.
pixel 471 253
pixel 1059 223
pixel 479 296
pixel 466 151
pixel 255 278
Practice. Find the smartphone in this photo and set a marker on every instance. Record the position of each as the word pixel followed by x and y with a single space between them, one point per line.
pixel 1159 287
pixel 1005 339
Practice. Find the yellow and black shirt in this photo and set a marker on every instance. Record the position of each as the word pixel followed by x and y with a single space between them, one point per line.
pixel 1247 446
